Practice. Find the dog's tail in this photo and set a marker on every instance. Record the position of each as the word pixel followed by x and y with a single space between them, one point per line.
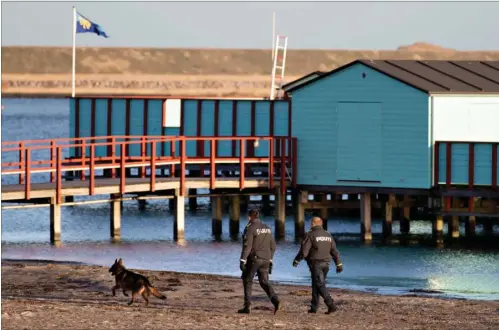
pixel 155 291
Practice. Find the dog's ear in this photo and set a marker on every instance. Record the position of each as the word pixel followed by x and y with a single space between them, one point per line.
pixel 120 262
pixel 115 261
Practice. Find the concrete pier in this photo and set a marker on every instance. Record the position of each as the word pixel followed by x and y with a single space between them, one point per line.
pixel 235 215
pixel 115 220
pixel 280 214
pixel 365 217
pixel 55 221
pixel 216 210
pixel 299 199
pixel 179 217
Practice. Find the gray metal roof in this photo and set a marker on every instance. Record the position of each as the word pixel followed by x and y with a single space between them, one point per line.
pixel 302 80
pixel 436 76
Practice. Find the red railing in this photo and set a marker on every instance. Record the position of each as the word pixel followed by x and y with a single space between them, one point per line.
pixel 471 156
pixel 56 164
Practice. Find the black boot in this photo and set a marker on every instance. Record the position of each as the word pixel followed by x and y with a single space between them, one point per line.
pixel 331 308
pixel 277 304
pixel 312 310
pixel 245 310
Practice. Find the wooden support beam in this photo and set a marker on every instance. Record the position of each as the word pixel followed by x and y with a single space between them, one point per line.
pixel 365 214
pixel 193 202
pixel 55 221
pixel 142 204
pixel 438 228
pixel 405 222
pixel 354 204
pixel 387 223
pixel 216 209
pixel 235 215
pixel 324 215
pixel 453 223
pixel 280 214
pixel 300 198
pixel 115 217
pixel 470 224
pixel 266 204
pixel 179 217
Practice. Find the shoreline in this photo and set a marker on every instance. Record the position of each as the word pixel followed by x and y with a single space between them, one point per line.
pixel 407 292
pixel 54 295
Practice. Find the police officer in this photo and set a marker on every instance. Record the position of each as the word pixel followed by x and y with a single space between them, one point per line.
pixel 318 248
pixel 256 258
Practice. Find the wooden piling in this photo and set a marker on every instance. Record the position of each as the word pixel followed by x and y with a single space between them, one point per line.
pixel 235 214
pixel 179 217
pixel 193 201
pixel 324 211
pixel 115 220
pixel 171 204
pixel 365 214
pixel 280 214
pixel 405 222
pixel 453 222
pixel 142 204
pixel 266 204
pixel 438 228
pixel 488 227
pixel 55 221
pixel 470 226
pixel 387 223
pixel 216 209
pixel 300 198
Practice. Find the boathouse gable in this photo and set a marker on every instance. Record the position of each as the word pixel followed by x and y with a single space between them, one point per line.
pixel 359 127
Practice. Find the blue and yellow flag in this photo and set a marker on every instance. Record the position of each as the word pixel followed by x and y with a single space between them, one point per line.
pixel 83 25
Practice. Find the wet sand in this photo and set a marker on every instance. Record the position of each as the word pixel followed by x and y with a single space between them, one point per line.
pixel 50 295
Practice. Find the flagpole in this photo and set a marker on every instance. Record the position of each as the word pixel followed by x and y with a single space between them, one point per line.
pixel 273 34
pixel 74 53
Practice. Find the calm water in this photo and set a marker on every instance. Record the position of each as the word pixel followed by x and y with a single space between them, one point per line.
pixel 147 236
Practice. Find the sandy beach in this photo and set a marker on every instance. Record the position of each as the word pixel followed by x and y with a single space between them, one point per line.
pixel 50 295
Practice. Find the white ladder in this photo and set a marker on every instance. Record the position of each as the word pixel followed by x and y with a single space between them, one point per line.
pixel 275 88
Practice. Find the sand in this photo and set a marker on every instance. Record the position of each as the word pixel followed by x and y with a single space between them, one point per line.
pixel 48 295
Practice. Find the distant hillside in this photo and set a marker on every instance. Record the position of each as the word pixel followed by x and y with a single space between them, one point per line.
pixel 153 61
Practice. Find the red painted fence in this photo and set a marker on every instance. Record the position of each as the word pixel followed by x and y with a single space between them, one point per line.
pixel 55 164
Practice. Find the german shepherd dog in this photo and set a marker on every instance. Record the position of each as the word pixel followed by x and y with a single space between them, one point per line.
pixel 128 280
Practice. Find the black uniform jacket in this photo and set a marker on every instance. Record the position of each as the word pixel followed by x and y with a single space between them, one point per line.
pixel 258 241
pixel 318 245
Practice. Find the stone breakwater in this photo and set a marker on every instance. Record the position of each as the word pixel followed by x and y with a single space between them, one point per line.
pixel 177 85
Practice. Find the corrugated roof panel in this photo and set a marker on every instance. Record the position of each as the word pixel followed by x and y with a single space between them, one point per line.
pixel 463 75
pixel 404 76
pixel 494 64
pixel 418 69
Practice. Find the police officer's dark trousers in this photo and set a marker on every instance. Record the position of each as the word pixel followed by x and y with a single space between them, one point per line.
pixel 319 272
pixel 261 267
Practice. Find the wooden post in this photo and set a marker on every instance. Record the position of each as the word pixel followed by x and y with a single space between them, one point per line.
pixel 365 214
pixel 453 223
pixel 179 217
pixel 299 199
pixel 245 203
pixel 266 204
pixel 405 222
pixel 438 228
pixel 55 221
pixel 324 215
pixel 142 204
pixel 470 224
pixel 235 214
pixel 115 221
pixel 171 204
pixel 280 214
pixel 488 226
pixel 387 223
pixel 216 210
pixel 193 201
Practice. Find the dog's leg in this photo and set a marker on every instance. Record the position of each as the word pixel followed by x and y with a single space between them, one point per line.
pixel 133 297
pixel 145 295
pixel 114 289
pixel 126 294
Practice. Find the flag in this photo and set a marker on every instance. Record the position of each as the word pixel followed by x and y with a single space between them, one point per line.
pixel 85 25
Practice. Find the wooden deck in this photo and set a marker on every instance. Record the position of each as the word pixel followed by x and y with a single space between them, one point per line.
pixel 133 185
